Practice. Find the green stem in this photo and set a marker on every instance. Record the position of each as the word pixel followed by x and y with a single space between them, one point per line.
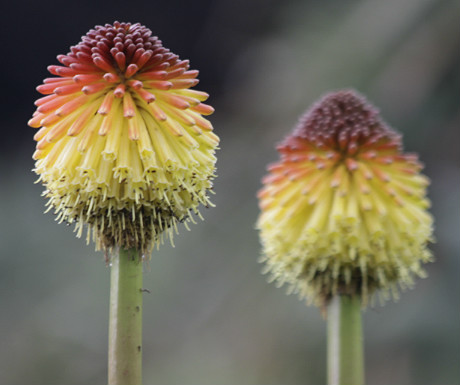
pixel 125 323
pixel 345 341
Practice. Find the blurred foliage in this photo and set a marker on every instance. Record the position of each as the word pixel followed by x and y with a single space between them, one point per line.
pixel 211 318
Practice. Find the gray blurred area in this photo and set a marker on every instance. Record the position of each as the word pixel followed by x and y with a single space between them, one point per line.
pixel 211 317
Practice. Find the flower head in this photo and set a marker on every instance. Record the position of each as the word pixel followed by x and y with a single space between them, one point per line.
pixel 123 146
pixel 344 210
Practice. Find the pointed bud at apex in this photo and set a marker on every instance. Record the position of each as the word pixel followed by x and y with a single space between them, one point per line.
pixel 344 210
pixel 109 152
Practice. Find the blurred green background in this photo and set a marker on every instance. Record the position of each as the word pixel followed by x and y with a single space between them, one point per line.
pixel 211 318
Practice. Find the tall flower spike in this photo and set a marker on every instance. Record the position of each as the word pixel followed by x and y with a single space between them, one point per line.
pixel 123 146
pixel 344 210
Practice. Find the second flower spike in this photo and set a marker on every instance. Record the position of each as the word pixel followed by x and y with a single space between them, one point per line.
pixel 344 209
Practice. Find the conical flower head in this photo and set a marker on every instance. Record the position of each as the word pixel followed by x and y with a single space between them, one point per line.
pixel 344 209
pixel 123 146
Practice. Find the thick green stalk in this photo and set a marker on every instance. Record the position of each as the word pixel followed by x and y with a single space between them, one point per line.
pixel 125 323
pixel 345 341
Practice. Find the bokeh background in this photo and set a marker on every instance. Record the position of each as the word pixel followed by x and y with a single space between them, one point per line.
pixel 211 318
